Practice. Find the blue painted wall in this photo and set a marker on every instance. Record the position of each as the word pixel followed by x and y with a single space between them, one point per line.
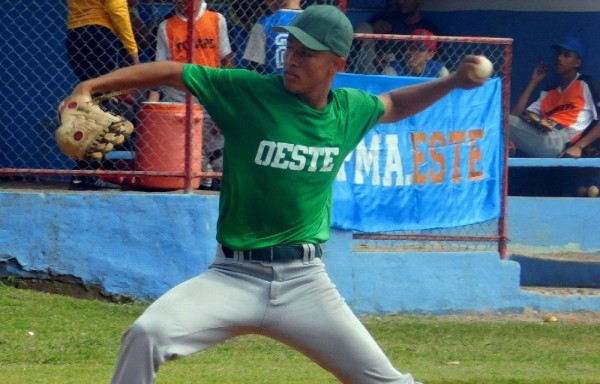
pixel 35 78
pixel 142 244
pixel 551 225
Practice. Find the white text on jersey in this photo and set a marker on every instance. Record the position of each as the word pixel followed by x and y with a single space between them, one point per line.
pixel 296 157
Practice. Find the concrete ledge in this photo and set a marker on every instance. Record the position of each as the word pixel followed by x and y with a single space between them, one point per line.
pixel 142 244
pixel 538 225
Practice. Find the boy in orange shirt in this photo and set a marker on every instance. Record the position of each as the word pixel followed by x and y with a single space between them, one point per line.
pixel 567 109
pixel 211 48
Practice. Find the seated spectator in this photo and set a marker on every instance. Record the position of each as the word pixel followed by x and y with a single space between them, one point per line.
pixel 266 46
pixel 417 59
pixel 566 110
pixel 371 57
pixel 212 49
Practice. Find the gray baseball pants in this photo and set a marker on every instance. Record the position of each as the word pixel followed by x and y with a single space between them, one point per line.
pixel 293 302
pixel 530 141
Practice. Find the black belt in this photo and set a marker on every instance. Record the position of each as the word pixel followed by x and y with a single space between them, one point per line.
pixel 277 252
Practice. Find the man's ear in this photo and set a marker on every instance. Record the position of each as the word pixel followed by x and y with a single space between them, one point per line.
pixel 339 64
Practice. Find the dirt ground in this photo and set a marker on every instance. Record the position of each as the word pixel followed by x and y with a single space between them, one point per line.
pixel 533 316
pixel 529 315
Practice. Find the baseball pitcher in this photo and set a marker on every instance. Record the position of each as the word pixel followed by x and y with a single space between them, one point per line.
pixel 286 137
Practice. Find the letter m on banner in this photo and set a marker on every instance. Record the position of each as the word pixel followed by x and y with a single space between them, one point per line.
pixel 441 168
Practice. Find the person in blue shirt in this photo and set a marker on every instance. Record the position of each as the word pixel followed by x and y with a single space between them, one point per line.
pixel 265 47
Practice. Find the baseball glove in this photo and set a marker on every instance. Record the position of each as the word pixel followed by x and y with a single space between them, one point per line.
pixel 86 131
pixel 539 122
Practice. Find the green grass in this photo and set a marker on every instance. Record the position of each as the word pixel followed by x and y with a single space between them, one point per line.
pixel 76 341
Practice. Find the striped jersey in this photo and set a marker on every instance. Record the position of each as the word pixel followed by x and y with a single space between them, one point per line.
pixel 574 107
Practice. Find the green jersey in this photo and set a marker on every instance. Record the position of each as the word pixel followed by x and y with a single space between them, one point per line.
pixel 281 156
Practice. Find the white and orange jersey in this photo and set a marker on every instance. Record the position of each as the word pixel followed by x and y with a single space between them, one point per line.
pixel 211 40
pixel 573 107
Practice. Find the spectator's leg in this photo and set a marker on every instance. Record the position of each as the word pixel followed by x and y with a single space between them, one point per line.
pixel 92 51
pixel 533 143
pixel 213 142
pixel 206 167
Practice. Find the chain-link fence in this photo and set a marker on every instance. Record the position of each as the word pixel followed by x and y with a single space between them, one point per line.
pixel 426 55
pixel 50 46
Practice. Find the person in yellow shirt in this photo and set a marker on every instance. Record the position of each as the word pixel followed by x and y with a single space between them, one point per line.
pixel 98 31
pixel 99 39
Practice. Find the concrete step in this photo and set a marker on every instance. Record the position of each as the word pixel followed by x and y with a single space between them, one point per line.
pixel 576 270
pixel 563 291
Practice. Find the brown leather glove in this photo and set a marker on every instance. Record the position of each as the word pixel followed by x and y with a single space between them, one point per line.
pixel 542 124
pixel 86 131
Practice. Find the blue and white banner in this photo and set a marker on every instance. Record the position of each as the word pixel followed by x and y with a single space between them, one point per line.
pixel 441 168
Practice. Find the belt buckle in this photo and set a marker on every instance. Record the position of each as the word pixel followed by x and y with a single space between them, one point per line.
pixel 262 258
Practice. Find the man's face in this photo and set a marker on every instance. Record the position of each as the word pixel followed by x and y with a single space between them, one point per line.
pixel 182 5
pixel 566 61
pixel 416 57
pixel 408 7
pixel 306 71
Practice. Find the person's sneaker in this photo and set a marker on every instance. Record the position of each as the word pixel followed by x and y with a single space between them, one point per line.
pixel 206 184
pixel 216 184
pixel 93 183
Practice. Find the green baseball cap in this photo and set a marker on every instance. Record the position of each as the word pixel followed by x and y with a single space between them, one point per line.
pixel 322 28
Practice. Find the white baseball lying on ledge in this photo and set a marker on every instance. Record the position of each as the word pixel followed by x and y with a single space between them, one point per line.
pixel 483 70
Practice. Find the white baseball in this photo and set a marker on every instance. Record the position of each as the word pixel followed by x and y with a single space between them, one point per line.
pixel 483 70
